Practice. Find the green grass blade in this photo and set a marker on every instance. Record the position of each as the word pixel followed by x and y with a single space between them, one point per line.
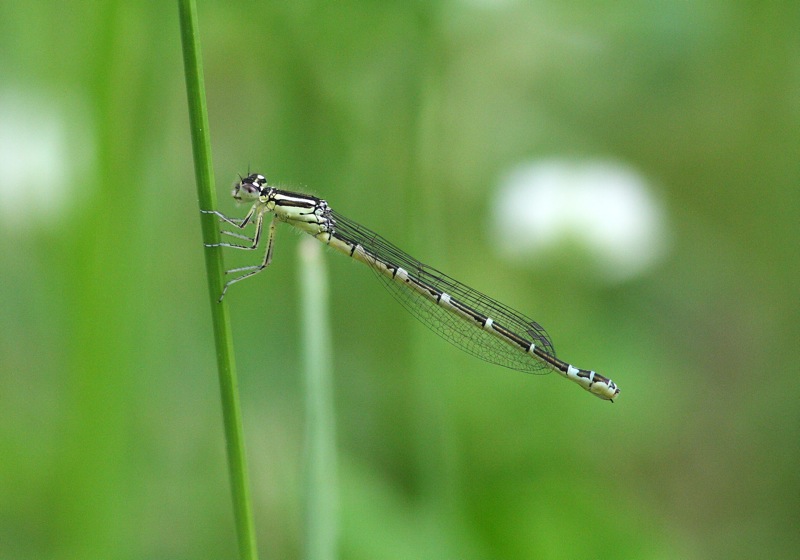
pixel 198 118
pixel 321 495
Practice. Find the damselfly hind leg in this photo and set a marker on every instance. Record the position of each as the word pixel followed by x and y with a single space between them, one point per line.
pixel 237 236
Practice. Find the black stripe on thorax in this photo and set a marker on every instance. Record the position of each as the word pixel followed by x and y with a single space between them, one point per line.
pixel 301 203
pixel 290 194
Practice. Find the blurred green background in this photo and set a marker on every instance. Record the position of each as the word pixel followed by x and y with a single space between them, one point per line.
pixel 405 116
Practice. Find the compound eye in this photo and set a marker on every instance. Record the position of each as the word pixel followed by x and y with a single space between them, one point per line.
pixel 255 179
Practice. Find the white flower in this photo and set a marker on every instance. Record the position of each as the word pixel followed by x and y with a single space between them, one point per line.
pixel 602 207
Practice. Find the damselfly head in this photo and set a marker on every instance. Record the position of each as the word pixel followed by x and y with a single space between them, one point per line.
pixel 249 188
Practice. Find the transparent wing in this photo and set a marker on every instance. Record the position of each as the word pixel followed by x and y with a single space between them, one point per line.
pixel 450 326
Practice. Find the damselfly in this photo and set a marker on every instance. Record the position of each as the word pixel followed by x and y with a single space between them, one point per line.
pixel 464 317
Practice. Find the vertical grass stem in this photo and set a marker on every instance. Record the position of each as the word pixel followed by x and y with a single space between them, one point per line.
pixel 321 495
pixel 226 367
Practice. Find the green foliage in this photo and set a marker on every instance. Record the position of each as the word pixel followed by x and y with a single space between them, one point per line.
pixel 404 116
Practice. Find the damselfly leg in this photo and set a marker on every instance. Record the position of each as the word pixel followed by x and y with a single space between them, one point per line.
pixel 259 222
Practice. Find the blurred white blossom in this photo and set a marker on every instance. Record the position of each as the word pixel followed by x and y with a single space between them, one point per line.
pixel 603 208
pixel 44 147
